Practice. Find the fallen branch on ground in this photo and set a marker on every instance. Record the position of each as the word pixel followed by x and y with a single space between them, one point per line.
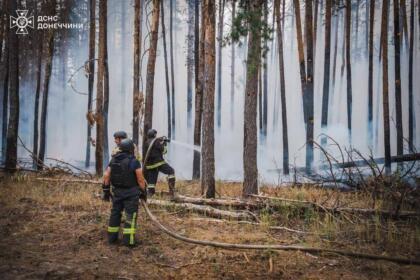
pixel 205 210
pixel 383 213
pixel 69 180
pixel 232 246
pixel 253 223
pixel 235 203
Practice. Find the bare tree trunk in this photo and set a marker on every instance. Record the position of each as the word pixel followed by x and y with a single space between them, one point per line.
pixel 44 107
pixel 5 84
pixel 403 18
pixel 308 98
pixel 384 43
pixel 348 66
pixel 316 21
pixel 150 78
pixel 265 79
pixel 100 131
pixel 37 94
pixel 370 77
pixel 250 110
pixel 302 69
pixel 232 73
pixel 199 76
pixel 282 91
pixel 190 60
pixel 171 50
pixel 137 95
pixel 219 63
pixel 106 90
pixel 326 85
pixel 336 26
pixel 207 152
pixel 168 90
pixel 397 67
pixel 91 75
pixel 356 25
pixel 410 81
pixel 260 101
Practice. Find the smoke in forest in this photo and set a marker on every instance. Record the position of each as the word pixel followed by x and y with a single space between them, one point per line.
pixel 67 108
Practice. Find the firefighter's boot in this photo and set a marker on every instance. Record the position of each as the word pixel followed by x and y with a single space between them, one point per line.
pixel 171 185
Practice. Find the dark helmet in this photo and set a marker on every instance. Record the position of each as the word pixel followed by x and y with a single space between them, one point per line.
pixel 120 134
pixel 151 133
pixel 126 145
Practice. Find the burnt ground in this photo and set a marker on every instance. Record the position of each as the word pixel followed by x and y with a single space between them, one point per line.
pixel 58 231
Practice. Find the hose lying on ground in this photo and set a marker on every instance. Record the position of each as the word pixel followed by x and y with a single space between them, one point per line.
pixel 272 247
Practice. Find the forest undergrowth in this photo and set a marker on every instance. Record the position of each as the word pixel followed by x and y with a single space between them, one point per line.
pixel 55 230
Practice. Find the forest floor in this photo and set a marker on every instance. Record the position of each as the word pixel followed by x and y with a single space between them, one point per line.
pixel 58 231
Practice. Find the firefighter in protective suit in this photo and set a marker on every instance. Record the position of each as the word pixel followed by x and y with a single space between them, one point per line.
pixel 155 148
pixel 125 175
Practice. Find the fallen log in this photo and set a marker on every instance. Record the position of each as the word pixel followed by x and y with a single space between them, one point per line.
pixel 362 211
pixel 69 180
pixel 204 210
pixel 358 163
pixel 234 203
pixel 255 224
pixel 233 246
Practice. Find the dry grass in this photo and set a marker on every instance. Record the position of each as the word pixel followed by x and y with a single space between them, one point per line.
pixel 54 231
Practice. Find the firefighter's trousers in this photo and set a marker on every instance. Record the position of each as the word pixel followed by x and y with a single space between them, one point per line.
pixel 124 199
pixel 151 176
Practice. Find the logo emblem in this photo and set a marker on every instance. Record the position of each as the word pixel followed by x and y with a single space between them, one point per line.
pixel 22 22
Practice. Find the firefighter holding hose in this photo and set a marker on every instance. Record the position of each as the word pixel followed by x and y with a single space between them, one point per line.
pixel 155 148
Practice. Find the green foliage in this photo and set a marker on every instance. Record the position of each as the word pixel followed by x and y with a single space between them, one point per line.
pixel 247 21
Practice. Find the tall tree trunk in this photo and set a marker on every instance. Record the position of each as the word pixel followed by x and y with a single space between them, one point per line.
pixel 91 75
pixel 171 51
pixel 308 98
pixel 282 91
pixel 326 85
pixel 199 77
pixel 403 18
pixel 207 164
pixel 336 27
pixel 397 67
pixel 301 53
pixel 168 90
pixel 250 110
pixel 370 77
pixel 260 101
pixel 106 90
pixel 232 73
pixel 45 93
pixel 137 95
pixel 316 21
pixel 100 129
pixel 219 63
pixel 385 103
pixel 13 123
pixel 150 78
pixel 356 25
pixel 410 81
pixel 265 78
pixel 348 67
pixel 37 94
pixel 190 60
pixel 5 84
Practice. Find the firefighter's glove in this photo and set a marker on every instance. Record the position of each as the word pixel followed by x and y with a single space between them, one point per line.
pixel 143 195
pixel 106 192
